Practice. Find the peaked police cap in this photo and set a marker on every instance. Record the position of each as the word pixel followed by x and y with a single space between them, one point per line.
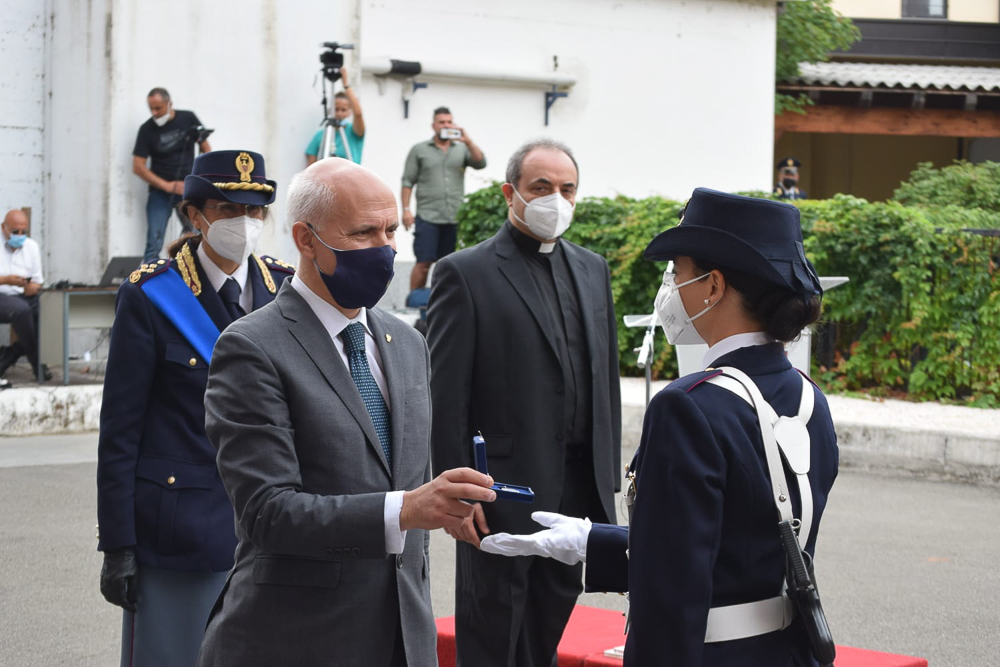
pixel 236 176
pixel 757 236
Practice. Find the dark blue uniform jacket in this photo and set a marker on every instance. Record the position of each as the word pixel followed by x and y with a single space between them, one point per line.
pixel 705 529
pixel 158 488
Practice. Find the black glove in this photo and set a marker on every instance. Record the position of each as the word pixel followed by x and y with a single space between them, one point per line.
pixel 120 577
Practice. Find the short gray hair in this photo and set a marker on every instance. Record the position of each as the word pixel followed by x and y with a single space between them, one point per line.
pixel 516 161
pixel 309 200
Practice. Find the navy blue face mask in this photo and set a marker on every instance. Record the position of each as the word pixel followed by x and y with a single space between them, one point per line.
pixel 362 276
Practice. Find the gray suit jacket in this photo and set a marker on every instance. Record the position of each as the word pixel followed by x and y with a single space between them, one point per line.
pixel 302 464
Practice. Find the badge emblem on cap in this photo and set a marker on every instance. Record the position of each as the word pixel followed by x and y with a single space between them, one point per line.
pixel 244 165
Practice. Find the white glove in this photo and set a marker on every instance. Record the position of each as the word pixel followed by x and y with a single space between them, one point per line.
pixel 565 540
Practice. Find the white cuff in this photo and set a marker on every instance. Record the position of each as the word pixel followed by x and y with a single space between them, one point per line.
pixel 395 538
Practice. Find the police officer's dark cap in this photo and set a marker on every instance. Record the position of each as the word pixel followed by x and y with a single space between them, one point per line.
pixel 760 237
pixel 786 162
pixel 236 176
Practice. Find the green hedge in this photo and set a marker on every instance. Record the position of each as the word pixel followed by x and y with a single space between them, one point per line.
pixel 920 316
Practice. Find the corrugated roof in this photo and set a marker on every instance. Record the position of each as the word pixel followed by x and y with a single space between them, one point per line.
pixel 919 77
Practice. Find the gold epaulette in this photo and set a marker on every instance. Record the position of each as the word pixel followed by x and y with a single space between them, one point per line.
pixel 265 275
pixel 147 271
pixel 273 262
pixel 266 263
pixel 189 269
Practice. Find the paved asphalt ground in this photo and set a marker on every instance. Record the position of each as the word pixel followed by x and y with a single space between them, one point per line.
pixel 906 565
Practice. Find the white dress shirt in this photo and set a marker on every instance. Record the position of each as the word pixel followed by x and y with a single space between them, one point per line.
pixel 335 322
pixel 217 277
pixel 735 342
pixel 26 262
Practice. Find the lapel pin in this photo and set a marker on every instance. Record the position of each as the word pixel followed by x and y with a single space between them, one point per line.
pixel 388 338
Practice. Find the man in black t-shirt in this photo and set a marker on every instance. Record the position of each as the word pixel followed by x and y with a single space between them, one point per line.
pixel 167 140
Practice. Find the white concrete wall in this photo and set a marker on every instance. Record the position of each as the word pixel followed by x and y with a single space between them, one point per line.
pixel 670 95
pixel 78 128
pixel 981 11
pixel 22 91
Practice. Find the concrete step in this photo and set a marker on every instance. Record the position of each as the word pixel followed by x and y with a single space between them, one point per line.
pixel 949 441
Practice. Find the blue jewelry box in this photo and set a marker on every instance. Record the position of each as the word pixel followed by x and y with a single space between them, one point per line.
pixel 521 494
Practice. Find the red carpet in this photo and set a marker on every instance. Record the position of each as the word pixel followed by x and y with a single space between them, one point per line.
pixel 591 631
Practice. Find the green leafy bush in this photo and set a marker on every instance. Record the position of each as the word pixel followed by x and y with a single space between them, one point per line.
pixel 919 316
pixel 975 186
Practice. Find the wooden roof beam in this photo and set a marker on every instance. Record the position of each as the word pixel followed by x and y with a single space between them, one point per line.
pixel 892 121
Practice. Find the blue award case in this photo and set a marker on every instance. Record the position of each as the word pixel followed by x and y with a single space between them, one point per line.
pixel 521 494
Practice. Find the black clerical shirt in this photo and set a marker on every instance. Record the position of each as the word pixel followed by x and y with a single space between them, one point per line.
pixel 551 275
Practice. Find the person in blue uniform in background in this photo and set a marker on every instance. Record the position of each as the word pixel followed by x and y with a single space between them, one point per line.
pixel 787 186
pixel 704 525
pixel 166 526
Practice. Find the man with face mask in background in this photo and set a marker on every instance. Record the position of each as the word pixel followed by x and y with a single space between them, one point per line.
pixel 318 405
pixel 524 350
pixel 165 523
pixel 788 179
pixel 20 282
pixel 167 141
pixel 347 114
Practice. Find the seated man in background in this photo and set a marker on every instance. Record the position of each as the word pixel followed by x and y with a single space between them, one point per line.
pixel 20 281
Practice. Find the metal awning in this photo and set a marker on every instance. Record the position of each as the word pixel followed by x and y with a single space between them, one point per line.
pixel 909 78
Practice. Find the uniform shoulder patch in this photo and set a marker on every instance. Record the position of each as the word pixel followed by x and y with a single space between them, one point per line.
pixel 147 271
pixel 691 381
pixel 277 264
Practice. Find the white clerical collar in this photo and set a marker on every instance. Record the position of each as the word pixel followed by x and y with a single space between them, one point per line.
pixel 217 276
pixel 332 319
pixel 734 342
pixel 546 248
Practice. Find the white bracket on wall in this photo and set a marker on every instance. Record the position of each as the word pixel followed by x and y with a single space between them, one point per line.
pixel 556 85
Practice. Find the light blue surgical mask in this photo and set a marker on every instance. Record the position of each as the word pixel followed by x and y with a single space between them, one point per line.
pixel 16 240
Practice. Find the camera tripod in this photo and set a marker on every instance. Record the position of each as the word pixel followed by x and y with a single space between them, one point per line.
pixel 332 60
pixel 327 146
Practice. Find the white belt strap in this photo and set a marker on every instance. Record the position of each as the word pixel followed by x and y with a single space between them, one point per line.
pixel 790 437
pixel 740 621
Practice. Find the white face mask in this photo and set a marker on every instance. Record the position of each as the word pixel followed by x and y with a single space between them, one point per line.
pixel 234 238
pixel 162 120
pixel 546 217
pixel 673 318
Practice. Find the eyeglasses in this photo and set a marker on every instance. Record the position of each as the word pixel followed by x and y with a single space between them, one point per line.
pixel 229 210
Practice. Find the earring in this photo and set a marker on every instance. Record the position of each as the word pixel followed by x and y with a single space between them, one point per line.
pixel 707 301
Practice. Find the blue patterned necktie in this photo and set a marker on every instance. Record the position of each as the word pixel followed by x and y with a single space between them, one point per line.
pixel 354 344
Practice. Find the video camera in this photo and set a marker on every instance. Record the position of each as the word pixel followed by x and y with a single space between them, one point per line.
pixel 332 59
pixel 199 133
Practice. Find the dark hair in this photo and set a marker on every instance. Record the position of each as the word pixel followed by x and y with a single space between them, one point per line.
pixel 516 161
pixel 441 110
pixel 782 314
pixel 162 92
pixel 176 246
pixel 341 95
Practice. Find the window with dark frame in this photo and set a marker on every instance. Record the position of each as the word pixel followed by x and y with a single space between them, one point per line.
pixel 925 9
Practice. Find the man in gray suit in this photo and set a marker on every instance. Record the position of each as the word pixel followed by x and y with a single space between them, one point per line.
pixel 318 404
pixel 524 349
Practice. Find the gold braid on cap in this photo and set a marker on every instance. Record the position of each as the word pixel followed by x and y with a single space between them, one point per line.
pixel 256 187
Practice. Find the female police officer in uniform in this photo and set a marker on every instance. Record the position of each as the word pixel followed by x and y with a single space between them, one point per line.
pixel 704 561
pixel 165 523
